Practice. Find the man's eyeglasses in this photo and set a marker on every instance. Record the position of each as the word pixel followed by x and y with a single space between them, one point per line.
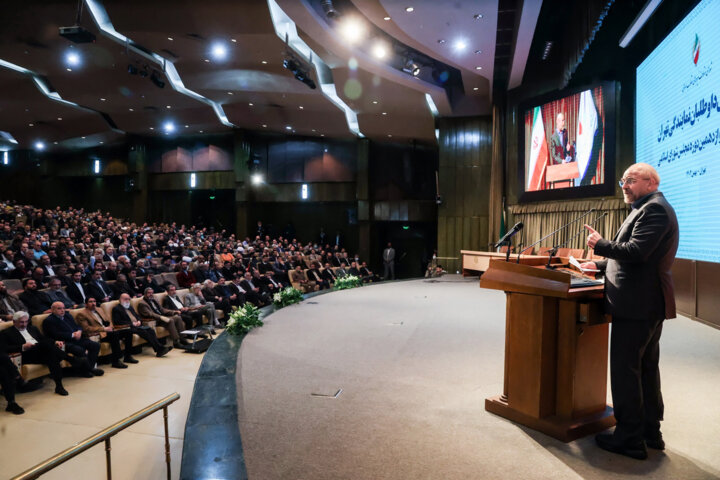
pixel 629 181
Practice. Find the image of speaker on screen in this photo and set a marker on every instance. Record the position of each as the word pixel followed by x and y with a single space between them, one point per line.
pixel 561 149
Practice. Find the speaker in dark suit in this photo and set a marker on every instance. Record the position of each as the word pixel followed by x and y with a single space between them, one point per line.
pixel 639 295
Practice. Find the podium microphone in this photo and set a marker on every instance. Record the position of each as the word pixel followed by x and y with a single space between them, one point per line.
pixel 561 228
pixel 515 229
pixel 554 250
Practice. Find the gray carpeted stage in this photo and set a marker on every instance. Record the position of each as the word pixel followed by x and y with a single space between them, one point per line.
pixel 389 381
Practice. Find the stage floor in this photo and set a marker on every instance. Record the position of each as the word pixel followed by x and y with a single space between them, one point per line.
pixel 389 382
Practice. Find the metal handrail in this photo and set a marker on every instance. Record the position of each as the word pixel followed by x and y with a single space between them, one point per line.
pixel 104 436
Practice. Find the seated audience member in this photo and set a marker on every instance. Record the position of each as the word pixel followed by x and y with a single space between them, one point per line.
pixel 93 322
pixel 353 270
pixel 185 278
pixel 195 301
pixel 298 277
pixel 47 268
pixel 9 304
pixel 111 272
pixel 172 302
pixel 57 294
pixel 439 272
pixel 271 285
pixel 37 348
pixel 124 316
pixel 36 301
pixel 134 282
pixel 328 274
pixel 60 325
pixel 76 290
pixel 121 286
pixel 209 294
pixel 365 273
pixel 341 272
pixel 38 274
pixel 314 275
pixel 150 309
pixel 98 289
pixel 20 271
pixel 253 289
pixel 150 282
pixel 231 295
pixel 62 275
pixel 9 377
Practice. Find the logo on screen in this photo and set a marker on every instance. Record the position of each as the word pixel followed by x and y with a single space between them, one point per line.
pixel 696 50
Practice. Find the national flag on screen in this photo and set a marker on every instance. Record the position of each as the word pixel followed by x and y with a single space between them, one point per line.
pixel 539 154
pixel 586 127
pixel 696 50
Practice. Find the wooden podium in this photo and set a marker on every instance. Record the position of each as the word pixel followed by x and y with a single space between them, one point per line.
pixel 556 348
pixel 563 173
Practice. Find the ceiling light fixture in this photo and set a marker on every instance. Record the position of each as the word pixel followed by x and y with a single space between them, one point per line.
pixel 409 9
pixel 39 146
pixel 288 127
pixel 387 19
pixel 264 62
pixel 412 68
pixel 460 45
pixel 170 38
pixel 352 29
pixel 72 59
pixel 441 41
pixel 219 51
pixel 478 16
pixel 169 127
pixel 329 9
pixel 546 50
pixel 299 70
pixel 478 68
pixel 379 51
pixel 639 21
pixel 478 52
pixel 256 179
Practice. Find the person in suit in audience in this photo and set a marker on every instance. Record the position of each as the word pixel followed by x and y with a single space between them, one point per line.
pixel 298 276
pixel 353 270
pixel 150 309
pixel 210 295
pixel 36 301
pixel 365 273
pixel 134 282
pixel 124 316
pixel 9 377
pixel 271 285
pixel 185 278
pixel 342 272
pixel 639 295
pixel 98 289
pixel 60 325
pixel 234 297
pixel 93 322
pixel 9 304
pixel 57 294
pixel 37 348
pixel 150 282
pixel 76 290
pixel 328 274
pixel 195 301
pixel 190 317
pixel 253 289
pixel 62 275
pixel 314 275
pixel 48 270
pixel 111 272
pixel 121 286
pixel 38 274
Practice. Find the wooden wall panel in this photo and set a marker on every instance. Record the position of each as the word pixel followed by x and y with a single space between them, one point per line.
pixel 708 286
pixel 464 174
pixel 684 274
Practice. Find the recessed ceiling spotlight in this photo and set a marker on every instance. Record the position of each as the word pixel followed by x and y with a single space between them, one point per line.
pixel 384 113
pixel 478 68
pixel 478 16
pixel 288 127
pixel 250 104
pixel 409 9
pixel 59 119
pixel 201 131
pixel 352 29
pixel 264 125
pixel 72 59
pixel 313 129
pixel 387 19
pixel 55 143
pixel 187 126
pixel 83 138
pixel 379 51
pixel 478 52
pixel 231 93
pixel 69 69
pixel 219 51
pixel 322 134
pixel 460 45
pixel 256 179
pixel 169 127
pixel 475 89
pixel 170 38
pixel 168 106
pixel 301 107
pixel 152 128
pixel 441 41
pixel 102 99
pixel 374 102
pixel 39 146
pixel 101 143
pixel 264 62
pixel 31 124
pixel 389 135
pixel 234 40
pixel 132 110
pixel 207 60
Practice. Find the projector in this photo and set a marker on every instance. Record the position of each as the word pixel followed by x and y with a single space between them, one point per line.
pixel 77 34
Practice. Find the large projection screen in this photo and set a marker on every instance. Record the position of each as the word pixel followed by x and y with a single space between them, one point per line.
pixel 677 126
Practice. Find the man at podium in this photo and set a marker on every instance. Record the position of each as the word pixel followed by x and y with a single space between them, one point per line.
pixel 639 295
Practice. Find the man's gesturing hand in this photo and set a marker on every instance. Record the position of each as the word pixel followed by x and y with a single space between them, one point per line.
pixel 593 237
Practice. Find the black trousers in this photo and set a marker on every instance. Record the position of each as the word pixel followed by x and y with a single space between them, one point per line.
pixel 635 378
pixel 114 337
pixel 78 348
pixel 147 334
pixel 190 318
pixel 50 355
pixel 8 375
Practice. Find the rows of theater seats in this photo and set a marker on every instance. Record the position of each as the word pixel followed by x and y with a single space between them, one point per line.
pixel 31 371
pixel 14 285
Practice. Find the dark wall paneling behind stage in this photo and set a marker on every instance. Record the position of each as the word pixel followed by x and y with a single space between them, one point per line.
pixel 464 173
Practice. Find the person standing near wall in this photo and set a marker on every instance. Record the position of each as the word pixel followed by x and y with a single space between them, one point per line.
pixel 389 262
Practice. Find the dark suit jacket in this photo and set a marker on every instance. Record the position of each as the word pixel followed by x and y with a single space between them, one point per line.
pixel 60 328
pixel 60 296
pixel 14 302
pixel 120 317
pixel 73 292
pixel 119 288
pixel 12 340
pixel 36 302
pixel 92 290
pixel 638 282
pixel 558 152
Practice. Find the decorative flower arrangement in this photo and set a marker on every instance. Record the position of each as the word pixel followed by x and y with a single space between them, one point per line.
pixel 244 319
pixel 287 297
pixel 350 281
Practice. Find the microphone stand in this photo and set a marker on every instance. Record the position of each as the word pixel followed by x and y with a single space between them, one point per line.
pixel 554 250
pixel 561 228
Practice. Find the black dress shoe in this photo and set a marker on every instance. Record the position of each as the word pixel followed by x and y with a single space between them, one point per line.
pixel 85 374
pixel 118 364
pixel 31 386
pixel 607 442
pixel 655 441
pixel 130 360
pixel 14 408
pixel 97 372
pixel 61 391
pixel 162 352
